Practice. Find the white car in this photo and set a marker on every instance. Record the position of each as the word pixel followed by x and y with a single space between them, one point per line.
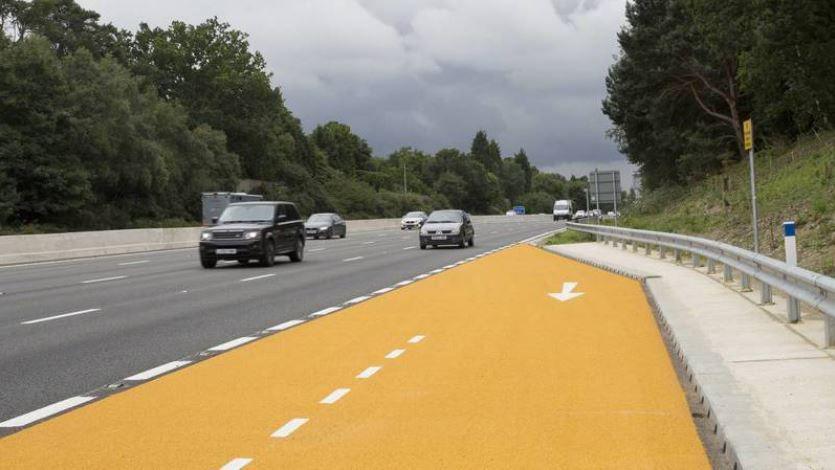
pixel 413 220
pixel 580 215
pixel 510 213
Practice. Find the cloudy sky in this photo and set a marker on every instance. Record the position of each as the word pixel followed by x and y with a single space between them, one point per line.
pixel 429 73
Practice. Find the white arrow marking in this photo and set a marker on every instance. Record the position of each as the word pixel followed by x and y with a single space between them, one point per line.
pixel 566 294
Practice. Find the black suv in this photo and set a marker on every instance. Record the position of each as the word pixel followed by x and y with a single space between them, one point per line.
pixel 254 230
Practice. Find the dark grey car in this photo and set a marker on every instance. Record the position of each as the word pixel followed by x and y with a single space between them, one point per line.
pixel 325 225
pixel 447 227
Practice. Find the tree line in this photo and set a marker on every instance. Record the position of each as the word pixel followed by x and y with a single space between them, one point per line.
pixel 691 71
pixel 106 128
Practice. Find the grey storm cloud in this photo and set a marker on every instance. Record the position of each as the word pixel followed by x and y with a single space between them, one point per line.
pixel 430 73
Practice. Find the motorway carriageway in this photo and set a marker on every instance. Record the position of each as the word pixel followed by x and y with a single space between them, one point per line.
pixel 519 359
pixel 69 328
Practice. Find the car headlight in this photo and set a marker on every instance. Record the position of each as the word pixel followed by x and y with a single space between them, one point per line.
pixel 205 235
pixel 323 229
pixel 252 234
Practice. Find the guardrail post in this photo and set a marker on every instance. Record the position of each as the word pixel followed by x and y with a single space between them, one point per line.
pixel 794 310
pixel 648 249
pixel 623 244
pixel 634 246
pixel 765 294
pixel 662 251
pixel 697 262
pixel 745 282
pixel 829 331
pixel 614 242
pixel 711 266
pixel 728 273
pixel 677 253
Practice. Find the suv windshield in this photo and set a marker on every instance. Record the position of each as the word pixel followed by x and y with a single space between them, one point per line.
pixel 247 213
pixel 414 214
pixel 440 217
pixel 317 218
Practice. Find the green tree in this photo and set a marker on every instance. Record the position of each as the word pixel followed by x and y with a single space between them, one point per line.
pixel 521 159
pixel 345 150
pixel 513 180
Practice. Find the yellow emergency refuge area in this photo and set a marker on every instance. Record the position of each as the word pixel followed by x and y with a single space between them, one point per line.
pixel 476 367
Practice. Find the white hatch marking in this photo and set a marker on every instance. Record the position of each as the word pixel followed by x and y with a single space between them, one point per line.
pixel 236 464
pixel 417 339
pixel 395 354
pixel 335 396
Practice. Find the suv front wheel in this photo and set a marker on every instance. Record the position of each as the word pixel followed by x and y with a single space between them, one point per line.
pixel 207 261
pixel 268 258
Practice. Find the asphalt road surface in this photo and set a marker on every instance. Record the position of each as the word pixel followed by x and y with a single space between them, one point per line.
pixel 70 327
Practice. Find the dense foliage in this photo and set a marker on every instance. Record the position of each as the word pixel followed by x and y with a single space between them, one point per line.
pixel 104 128
pixel 690 71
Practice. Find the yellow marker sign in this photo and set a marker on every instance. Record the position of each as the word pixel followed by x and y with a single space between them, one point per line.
pixel 748 133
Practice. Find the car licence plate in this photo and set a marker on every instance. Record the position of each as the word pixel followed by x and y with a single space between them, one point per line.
pixel 226 251
pixel 438 237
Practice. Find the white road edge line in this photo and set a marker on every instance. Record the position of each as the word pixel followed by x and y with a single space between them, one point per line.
pixel 289 428
pixel 355 258
pixel 410 248
pixel 324 311
pixel 45 412
pixel 335 396
pixel 436 271
pixel 63 315
pixel 383 290
pixel 131 263
pixel 416 339
pixel 151 373
pixel 357 300
pixel 232 344
pixel 237 464
pixel 395 354
pixel 420 276
pixel 368 372
pixel 104 279
pixel 285 325
pixel 404 283
pixel 255 278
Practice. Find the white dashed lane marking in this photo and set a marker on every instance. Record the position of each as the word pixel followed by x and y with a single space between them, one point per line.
pixel 285 325
pixel 45 412
pixel 357 300
pixel 255 278
pixel 289 428
pixel 233 344
pixel 63 315
pixel 395 354
pixel 131 263
pixel 104 279
pixel 355 258
pixel 367 373
pixel 335 396
pixel 383 290
pixel 324 311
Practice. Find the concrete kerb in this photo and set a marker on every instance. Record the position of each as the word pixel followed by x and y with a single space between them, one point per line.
pixel 727 407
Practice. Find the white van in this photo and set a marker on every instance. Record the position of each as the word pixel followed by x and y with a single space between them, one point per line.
pixel 563 210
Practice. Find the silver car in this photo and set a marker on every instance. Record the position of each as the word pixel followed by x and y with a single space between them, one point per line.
pixel 413 220
pixel 447 227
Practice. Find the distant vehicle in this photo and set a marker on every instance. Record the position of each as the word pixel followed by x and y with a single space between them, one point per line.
pixel 214 203
pixel 413 220
pixel 562 210
pixel 581 214
pixel 253 230
pixel 447 227
pixel 519 210
pixel 613 214
pixel 510 212
pixel 326 225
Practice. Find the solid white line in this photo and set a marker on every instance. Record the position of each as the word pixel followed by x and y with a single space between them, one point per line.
pixel 367 373
pixel 356 258
pixel 335 396
pixel 436 271
pixel 104 279
pixel 131 263
pixel 404 283
pixel 285 325
pixel 417 339
pixel 236 464
pixel 369 243
pixel 324 311
pixel 63 315
pixel 410 248
pixel 234 343
pixel 44 412
pixel 420 276
pixel 289 427
pixel 450 266
pixel 395 354
pixel 151 373
pixel 357 300
pixel 383 290
pixel 255 278
pixel 316 249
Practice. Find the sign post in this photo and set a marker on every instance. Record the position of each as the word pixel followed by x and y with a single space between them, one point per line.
pixel 748 134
